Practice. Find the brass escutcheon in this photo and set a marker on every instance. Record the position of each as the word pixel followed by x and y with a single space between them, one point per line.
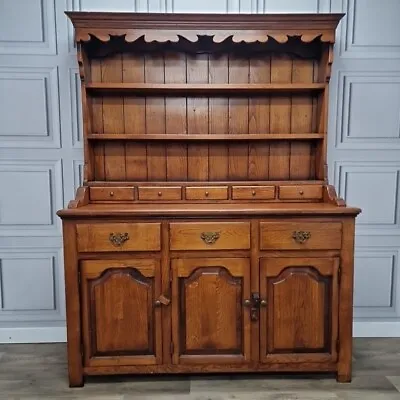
pixel 209 237
pixel 118 239
pixel 301 236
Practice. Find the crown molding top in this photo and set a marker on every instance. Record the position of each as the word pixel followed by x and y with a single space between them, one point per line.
pixel 161 27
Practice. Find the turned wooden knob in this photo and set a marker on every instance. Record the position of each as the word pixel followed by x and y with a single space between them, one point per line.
pixel 111 194
pixel 206 193
pixel 159 194
pixel 253 193
pixel 301 192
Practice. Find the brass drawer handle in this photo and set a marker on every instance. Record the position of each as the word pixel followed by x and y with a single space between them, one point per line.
pixel 118 239
pixel 209 237
pixel 301 236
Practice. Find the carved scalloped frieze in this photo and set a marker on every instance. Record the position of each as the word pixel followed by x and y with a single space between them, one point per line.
pixel 162 36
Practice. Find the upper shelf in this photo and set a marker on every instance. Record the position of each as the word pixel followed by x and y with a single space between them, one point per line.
pixel 211 137
pixel 203 88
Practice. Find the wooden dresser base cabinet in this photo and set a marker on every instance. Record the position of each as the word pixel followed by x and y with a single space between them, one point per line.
pixel 209 310
pixel 205 236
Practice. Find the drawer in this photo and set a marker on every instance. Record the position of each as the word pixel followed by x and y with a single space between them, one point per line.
pixel 160 193
pixel 118 237
pixel 210 236
pixel 111 193
pixel 299 192
pixel 253 192
pixel 207 193
pixel 300 235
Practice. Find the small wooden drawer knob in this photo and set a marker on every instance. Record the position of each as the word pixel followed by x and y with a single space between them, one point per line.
pixel 301 192
pixel 159 194
pixel 111 194
pixel 253 193
pixel 206 194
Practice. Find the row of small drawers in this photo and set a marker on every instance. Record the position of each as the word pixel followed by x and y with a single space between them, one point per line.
pixel 208 236
pixel 151 193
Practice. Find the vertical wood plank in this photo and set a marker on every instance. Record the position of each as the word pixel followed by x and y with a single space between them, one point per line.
pixel 346 301
pixel 259 109
pixel 72 290
pixel 301 121
pixel 155 119
pixel 238 120
pixel 134 119
pixel 175 119
pixel 166 279
pixel 281 72
pixel 97 122
pixel 218 123
pixel 197 118
pixel 113 120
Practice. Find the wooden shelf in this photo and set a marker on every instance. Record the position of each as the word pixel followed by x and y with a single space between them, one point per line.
pixel 172 89
pixel 270 136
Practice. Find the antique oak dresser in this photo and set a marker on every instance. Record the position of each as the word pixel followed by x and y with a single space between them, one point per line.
pixel 205 237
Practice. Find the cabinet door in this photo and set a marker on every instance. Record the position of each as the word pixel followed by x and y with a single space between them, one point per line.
pixel 299 313
pixel 121 323
pixel 209 322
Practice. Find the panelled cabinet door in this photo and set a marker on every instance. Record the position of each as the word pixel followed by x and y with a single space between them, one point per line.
pixel 299 320
pixel 209 320
pixel 121 323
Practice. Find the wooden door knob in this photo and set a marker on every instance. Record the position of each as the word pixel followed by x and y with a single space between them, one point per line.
pixel 206 194
pixel 301 192
pixel 111 194
pixel 253 193
pixel 159 194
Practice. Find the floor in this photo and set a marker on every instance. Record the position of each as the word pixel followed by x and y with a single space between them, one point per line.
pixel 40 372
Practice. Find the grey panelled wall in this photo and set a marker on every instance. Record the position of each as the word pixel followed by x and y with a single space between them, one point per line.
pixel 41 149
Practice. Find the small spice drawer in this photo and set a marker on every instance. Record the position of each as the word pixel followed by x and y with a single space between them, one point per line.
pixel 112 193
pixel 300 235
pixel 253 192
pixel 210 236
pixel 118 237
pixel 206 193
pixel 160 193
pixel 300 192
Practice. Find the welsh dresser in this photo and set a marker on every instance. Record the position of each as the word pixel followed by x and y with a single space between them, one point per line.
pixel 205 236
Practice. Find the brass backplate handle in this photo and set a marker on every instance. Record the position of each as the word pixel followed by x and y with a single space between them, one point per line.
pixel 209 237
pixel 301 236
pixel 118 239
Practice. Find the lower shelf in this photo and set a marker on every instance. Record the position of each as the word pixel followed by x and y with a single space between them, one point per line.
pixel 211 137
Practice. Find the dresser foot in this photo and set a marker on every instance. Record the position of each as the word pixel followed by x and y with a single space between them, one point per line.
pixel 76 381
pixel 343 378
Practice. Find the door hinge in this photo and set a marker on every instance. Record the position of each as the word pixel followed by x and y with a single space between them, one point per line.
pixel 171 348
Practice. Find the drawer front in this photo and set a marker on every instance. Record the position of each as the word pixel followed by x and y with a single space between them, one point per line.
pixel 210 236
pixel 253 192
pixel 300 235
pixel 207 193
pixel 300 192
pixel 111 193
pixel 118 237
pixel 160 193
